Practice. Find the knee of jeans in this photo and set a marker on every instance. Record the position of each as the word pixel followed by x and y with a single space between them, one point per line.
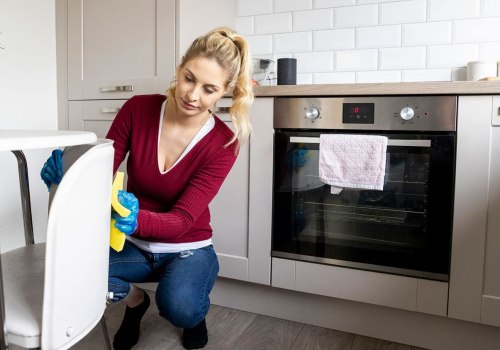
pixel 183 314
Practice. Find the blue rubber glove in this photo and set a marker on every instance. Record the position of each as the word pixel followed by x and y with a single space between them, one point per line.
pixel 128 224
pixel 52 170
pixel 298 157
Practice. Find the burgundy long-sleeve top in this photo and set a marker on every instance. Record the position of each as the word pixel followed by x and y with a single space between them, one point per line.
pixel 173 207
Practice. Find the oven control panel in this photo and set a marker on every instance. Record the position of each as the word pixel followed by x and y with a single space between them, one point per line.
pixel 406 113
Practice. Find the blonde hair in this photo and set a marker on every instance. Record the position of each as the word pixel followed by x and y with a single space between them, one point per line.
pixel 230 50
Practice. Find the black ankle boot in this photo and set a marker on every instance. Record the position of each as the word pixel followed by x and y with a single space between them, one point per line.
pixel 196 337
pixel 128 333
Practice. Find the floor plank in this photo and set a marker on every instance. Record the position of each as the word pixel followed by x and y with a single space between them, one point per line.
pixel 225 326
pixel 367 343
pixel 317 338
pixel 269 333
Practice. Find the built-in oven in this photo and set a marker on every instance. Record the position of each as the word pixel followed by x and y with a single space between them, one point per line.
pixel 406 228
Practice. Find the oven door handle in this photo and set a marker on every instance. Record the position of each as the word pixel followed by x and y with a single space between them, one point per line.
pixel 390 142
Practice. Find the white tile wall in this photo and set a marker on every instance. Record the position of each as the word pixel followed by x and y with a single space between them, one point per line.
pixel 337 39
pixel 489 51
pixel 355 16
pixel 293 42
pixel 275 23
pixel 490 8
pixel 306 78
pixel 404 57
pixel 402 12
pixel 260 44
pixel 427 75
pixel 476 30
pixel 438 10
pixel 380 36
pixel 254 7
pixel 355 41
pixel 431 33
pixel 244 25
pixel 356 60
pixel 334 78
pixel 291 5
pixel 312 62
pixel 313 20
pixel 391 76
pixel 332 3
pixel 442 56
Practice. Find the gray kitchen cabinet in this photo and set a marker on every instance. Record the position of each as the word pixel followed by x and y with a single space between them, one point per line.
pixel 475 263
pixel 95 116
pixel 241 211
pixel 490 306
pixel 119 48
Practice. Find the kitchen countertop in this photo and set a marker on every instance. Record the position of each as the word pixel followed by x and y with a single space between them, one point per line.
pixel 414 88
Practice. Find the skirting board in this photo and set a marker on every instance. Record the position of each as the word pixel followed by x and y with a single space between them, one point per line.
pixel 407 327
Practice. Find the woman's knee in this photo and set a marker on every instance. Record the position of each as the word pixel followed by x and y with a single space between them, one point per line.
pixel 182 312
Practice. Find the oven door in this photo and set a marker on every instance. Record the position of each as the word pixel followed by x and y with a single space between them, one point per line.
pixel 403 229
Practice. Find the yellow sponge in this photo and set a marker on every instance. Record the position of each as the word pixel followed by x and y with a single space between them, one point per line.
pixel 116 237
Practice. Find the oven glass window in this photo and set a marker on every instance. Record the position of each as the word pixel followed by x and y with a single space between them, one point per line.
pixel 405 228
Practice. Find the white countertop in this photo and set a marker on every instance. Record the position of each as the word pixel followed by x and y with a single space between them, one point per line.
pixel 12 140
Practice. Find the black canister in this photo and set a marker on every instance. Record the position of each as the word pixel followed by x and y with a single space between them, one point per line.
pixel 287 71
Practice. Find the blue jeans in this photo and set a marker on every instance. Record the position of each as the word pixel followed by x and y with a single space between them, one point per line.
pixel 185 280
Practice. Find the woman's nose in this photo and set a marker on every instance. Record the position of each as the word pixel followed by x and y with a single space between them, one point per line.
pixel 193 94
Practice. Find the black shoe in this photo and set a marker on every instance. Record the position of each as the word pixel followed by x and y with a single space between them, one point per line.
pixel 196 337
pixel 128 333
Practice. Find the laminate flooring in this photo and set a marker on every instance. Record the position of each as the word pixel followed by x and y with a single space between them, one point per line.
pixel 237 330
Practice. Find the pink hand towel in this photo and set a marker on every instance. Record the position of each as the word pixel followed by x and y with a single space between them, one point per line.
pixel 353 161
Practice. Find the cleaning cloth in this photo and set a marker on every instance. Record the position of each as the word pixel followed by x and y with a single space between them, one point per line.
pixel 352 161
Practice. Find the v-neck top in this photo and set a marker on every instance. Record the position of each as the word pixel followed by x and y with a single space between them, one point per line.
pixel 205 129
pixel 173 206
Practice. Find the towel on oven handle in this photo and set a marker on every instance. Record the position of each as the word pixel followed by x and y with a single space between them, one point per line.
pixel 352 161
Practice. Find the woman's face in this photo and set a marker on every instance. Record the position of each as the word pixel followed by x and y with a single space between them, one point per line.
pixel 200 83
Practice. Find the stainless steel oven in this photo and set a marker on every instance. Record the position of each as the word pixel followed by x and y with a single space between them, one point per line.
pixel 405 228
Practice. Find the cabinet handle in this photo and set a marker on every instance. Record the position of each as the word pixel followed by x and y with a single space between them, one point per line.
pixel 390 142
pixel 117 88
pixel 222 109
pixel 110 110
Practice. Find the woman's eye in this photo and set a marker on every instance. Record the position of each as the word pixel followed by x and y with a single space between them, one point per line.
pixel 209 91
pixel 189 78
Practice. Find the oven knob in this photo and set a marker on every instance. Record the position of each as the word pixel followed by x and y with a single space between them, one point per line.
pixel 312 113
pixel 407 113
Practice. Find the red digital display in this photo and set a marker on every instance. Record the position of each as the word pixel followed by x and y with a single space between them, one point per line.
pixel 358 113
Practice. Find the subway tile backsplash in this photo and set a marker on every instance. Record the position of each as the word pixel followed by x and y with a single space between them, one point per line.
pixel 361 41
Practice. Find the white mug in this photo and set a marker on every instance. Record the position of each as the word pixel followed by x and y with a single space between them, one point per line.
pixel 477 70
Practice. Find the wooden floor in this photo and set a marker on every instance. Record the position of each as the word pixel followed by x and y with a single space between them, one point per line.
pixel 234 329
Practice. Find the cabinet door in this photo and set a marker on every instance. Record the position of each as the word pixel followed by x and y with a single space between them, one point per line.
pixel 241 211
pixel 229 214
pixel 490 306
pixel 120 48
pixel 470 207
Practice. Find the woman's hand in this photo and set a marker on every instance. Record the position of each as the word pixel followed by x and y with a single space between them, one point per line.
pixel 52 170
pixel 128 224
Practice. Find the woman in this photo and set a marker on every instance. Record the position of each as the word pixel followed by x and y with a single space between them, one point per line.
pixel 179 155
